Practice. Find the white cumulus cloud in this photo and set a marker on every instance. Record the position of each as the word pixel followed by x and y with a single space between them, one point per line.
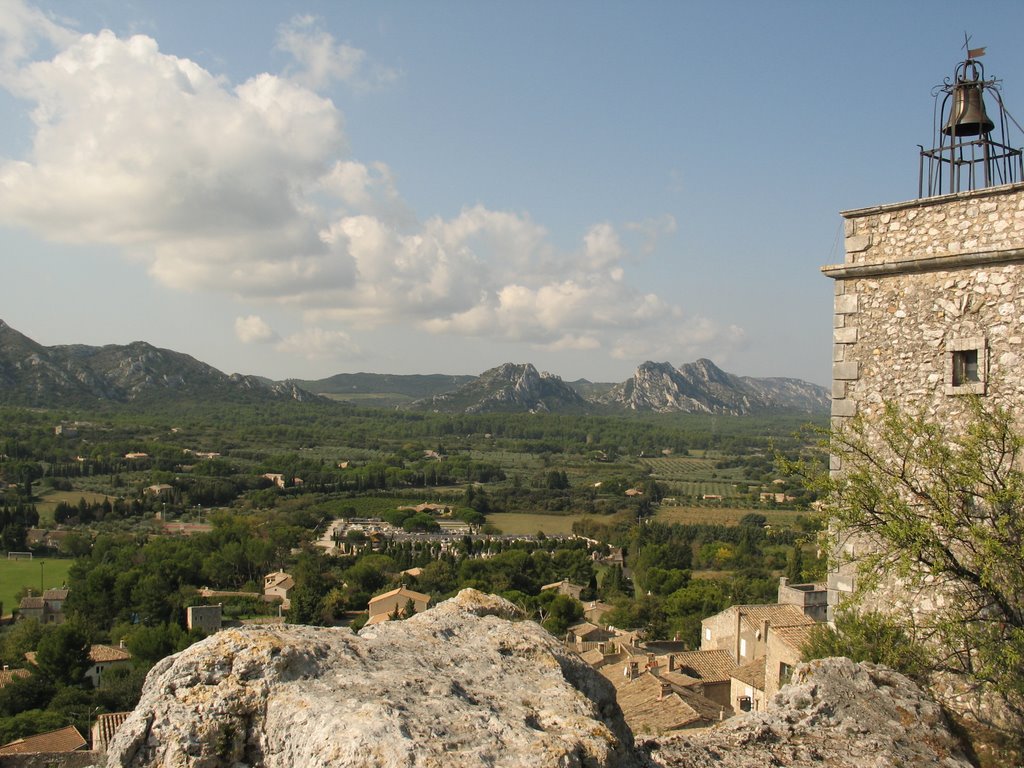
pixel 320 59
pixel 254 330
pixel 249 190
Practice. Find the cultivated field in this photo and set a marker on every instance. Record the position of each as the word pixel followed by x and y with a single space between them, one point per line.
pixel 529 523
pixel 723 515
pixel 695 476
pixel 16 574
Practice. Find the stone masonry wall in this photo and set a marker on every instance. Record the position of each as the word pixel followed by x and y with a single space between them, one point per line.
pixel 922 280
pixel 926 287
pixel 990 219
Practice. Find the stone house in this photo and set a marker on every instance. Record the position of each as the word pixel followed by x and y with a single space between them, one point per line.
pixel 383 607
pixel 712 669
pixel 8 675
pixel 653 705
pixel 276 585
pixel 101 658
pixel 104 657
pixel 742 630
pixel 46 609
pixel 565 587
pixel 207 618
pixel 812 599
pixel 747 686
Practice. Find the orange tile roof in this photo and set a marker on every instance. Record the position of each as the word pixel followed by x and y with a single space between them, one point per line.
pixel 751 674
pixel 794 637
pixel 403 592
pixel 776 614
pixel 647 708
pixel 105 654
pixel 105 727
pixel 711 666
pixel 63 740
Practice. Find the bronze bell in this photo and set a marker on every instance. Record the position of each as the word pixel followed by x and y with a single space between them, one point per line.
pixel 967 117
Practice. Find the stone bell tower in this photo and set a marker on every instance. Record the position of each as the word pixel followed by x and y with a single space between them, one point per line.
pixel 929 300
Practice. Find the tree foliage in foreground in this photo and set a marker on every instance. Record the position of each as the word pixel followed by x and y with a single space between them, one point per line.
pixel 945 508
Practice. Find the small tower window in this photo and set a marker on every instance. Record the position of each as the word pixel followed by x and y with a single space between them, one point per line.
pixel 967 361
pixel 965 367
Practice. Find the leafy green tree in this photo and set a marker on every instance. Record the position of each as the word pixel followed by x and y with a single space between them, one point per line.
pixel 25 693
pixel 562 612
pixel 869 636
pixel 29 723
pixel 795 564
pixel 23 637
pixel 62 655
pixel 942 506
pixel 150 644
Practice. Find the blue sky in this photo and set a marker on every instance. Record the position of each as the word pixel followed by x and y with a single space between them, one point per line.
pixel 301 189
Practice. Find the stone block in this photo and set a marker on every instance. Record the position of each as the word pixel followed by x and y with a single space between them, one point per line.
pixel 845 335
pixel 844 408
pixel 858 243
pixel 838 389
pixel 849 371
pixel 846 304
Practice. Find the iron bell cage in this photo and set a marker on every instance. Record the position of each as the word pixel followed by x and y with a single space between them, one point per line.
pixel 971 150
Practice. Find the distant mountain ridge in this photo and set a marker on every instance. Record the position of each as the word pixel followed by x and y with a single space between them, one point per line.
pixel 35 375
pixel 703 387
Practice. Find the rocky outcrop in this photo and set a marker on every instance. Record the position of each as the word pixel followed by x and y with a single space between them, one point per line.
pixel 511 387
pixel 461 685
pixel 458 685
pixel 835 713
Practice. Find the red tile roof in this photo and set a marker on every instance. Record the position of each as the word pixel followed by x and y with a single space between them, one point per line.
pixel 64 740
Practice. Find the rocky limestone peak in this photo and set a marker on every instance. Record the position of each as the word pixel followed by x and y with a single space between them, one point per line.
pixel 705 370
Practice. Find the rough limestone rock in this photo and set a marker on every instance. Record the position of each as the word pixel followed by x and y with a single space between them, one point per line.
pixel 458 685
pixel 835 713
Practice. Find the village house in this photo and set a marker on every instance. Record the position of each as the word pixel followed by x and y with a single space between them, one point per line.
pixel 653 704
pixel 747 686
pixel 101 658
pixel 46 609
pixel 104 657
pixel 585 636
pixel 48 538
pixel 206 618
pixel 812 599
pixel 395 603
pixel 711 669
pixel 565 587
pixel 764 641
pixel 277 585
pixel 741 630
pixel 279 480
pixel 594 611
